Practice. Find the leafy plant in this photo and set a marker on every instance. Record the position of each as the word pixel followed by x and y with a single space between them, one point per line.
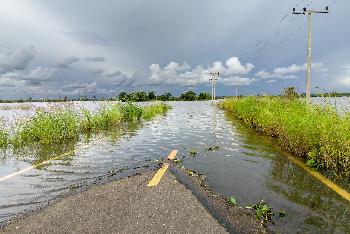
pixel 232 201
pixel 262 211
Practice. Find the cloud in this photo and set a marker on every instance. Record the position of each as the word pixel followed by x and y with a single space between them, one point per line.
pixel 95 59
pixel 89 38
pixel 270 81
pixel 40 74
pixel 288 73
pixel 67 61
pixel 16 60
pixel 113 73
pixel 234 67
pixel 184 75
pixel 93 88
pixel 296 68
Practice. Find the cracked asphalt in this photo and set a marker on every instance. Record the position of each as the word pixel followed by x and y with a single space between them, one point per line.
pixel 124 206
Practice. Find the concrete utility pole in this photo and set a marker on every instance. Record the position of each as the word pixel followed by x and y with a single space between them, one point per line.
pixel 309 14
pixel 215 76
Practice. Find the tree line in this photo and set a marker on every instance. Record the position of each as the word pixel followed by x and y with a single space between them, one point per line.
pixel 123 96
pixel 150 96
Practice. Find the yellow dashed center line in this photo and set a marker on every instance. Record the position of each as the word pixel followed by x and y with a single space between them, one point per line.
pixel 158 176
pixel 343 193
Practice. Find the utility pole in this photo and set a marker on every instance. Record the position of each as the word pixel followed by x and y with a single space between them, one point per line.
pixel 236 91
pixel 215 76
pixel 309 14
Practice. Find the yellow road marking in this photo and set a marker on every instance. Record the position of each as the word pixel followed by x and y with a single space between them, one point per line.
pixel 172 155
pixel 158 176
pixel 323 179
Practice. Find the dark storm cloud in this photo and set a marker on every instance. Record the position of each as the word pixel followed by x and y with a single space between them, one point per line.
pixel 116 38
pixel 67 61
pixel 95 59
pixel 16 60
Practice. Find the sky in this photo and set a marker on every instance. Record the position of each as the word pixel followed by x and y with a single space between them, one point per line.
pixel 51 49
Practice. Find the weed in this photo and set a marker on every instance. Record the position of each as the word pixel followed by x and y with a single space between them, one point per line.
pixel 263 212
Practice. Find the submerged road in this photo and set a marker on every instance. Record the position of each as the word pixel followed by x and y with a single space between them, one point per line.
pixel 124 206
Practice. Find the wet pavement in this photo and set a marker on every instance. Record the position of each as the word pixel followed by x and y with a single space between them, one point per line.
pixel 245 165
pixel 124 206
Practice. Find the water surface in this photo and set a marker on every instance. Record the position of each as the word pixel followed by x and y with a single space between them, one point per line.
pixel 246 165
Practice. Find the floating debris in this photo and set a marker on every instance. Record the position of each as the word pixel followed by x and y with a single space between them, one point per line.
pixel 193 152
pixel 177 161
pixel 191 173
pixel 212 148
pixel 281 213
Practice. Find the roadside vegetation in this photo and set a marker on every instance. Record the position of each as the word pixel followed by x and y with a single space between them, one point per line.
pixel 47 127
pixel 316 133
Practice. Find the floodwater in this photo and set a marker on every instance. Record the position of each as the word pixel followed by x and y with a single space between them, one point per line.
pixel 246 165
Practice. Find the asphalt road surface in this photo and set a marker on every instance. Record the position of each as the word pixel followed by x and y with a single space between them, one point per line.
pixel 124 206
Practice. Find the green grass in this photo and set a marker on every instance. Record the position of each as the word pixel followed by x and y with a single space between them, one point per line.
pixel 48 127
pixel 3 138
pixel 316 133
pixel 155 109
pixel 62 125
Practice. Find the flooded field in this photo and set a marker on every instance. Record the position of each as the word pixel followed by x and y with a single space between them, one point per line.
pixel 245 165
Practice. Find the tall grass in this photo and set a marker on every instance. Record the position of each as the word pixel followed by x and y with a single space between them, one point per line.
pixel 48 127
pixel 316 133
pixel 62 125
pixel 3 138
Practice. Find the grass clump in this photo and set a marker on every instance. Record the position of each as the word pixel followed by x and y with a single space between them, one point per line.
pixel 3 138
pixel 61 125
pixel 151 111
pixel 48 127
pixel 317 133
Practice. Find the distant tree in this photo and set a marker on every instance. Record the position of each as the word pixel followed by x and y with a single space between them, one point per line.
pixel 151 96
pixel 165 97
pixel 188 96
pixel 290 93
pixel 123 96
pixel 204 96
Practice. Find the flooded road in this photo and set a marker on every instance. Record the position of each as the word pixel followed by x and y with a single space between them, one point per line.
pixel 245 165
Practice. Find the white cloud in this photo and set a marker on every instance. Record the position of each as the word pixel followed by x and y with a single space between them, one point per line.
pixel 234 67
pixel 296 68
pixel 270 81
pixel 40 73
pixel 177 74
pixel 288 73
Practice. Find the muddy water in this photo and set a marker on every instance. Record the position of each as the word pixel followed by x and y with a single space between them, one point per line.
pixel 246 165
